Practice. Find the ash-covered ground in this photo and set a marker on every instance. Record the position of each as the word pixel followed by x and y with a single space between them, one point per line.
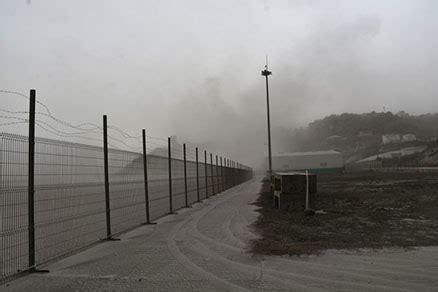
pixel 360 210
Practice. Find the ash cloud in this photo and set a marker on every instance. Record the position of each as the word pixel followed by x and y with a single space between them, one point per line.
pixel 306 76
pixel 192 68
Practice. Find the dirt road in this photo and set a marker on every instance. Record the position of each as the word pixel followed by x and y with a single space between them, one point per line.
pixel 204 248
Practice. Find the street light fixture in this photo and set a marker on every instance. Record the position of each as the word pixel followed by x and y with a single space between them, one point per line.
pixel 266 73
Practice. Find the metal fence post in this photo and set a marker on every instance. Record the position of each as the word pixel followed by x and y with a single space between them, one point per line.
pixel 170 175
pixel 146 186
pixel 105 166
pixel 236 166
pixel 231 173
pixel 31 181
pixel 212 175
pixel 206 174
pixel 238 173
pixel 197 176
pixel 226 172
pixel 185 176
pixel 234 173
pixel 222 176
pixel 217 177
pixel 106 170
pixel 31 186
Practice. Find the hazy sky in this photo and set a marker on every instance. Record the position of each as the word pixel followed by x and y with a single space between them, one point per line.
pixel 192 68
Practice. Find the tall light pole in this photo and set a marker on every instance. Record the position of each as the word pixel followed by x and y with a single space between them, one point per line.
pixel 266 73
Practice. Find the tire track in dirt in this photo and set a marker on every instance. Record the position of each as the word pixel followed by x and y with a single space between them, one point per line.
pixel 227 249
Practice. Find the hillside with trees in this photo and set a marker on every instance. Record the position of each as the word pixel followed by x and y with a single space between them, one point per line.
pixel 359 135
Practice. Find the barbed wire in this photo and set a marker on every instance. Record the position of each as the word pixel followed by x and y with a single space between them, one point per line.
pixel 13 112
pixel 50 129
pixel 49 114
pixel 80 137
pixel 53 131
pixel 13 118
pixel 14 92
pixel 83 128
pixel 67 133
pixel 45 123
pixel 77 127
pixel 125 134
pixel 60 133
pixel 121 141
pixel 156 144
pixel 175 152
pixel 26 112
pixel 26 97
pixel 12 123
pixel 157 138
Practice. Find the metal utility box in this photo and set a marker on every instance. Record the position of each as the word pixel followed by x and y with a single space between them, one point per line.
pixel 290 190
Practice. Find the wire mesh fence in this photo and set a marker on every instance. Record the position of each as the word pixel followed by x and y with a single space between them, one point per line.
pixel 192 191
pixel 69 200
pixel 13 204
pixel 126 189
pixel 158 186
pixel 69 197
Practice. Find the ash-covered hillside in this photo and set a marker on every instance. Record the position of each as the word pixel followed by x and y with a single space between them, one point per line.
pixel 359 136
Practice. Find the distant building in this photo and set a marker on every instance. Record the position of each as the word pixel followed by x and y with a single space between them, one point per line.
pixel 391 138
pixel 427 138
pixel 409 138
pixel 315 162
pixel 396 138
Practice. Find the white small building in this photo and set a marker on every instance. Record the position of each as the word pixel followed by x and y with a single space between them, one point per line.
pixel 315 162
pixel 409 138
pixel 391 138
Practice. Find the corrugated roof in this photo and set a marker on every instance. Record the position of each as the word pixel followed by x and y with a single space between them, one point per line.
pixel 307 153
